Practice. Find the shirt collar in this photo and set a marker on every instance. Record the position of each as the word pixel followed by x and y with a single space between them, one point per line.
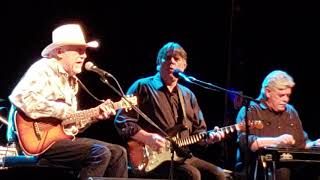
pixel 263 105
pixel 56 66
pixel 158 82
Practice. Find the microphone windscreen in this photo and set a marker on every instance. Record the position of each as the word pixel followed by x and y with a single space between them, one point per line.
pixel 88 66
pixel 176 72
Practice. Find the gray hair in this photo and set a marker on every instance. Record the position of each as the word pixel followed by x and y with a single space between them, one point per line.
pixel 277 79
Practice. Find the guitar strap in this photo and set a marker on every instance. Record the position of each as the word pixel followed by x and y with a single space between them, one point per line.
pixel 184 151
pixel 183 108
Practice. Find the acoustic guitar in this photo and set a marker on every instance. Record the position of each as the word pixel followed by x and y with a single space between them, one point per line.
pixel 37 135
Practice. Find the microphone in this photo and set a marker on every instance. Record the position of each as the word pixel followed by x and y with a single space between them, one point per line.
pixel 179 74
pixel 89 66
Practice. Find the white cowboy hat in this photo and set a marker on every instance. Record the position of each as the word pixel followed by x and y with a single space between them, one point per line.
pixel 69 34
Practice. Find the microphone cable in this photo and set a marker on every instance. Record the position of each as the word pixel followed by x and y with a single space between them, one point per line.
pixel 115 80
pixel 86 89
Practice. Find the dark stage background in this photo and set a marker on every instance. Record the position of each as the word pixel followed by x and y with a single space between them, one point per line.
pixel 232 44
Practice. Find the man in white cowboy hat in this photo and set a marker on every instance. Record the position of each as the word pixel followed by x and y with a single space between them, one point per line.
pixel 48 91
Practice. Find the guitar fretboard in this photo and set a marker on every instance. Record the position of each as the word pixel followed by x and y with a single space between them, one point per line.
pixel 81 118
pixel 198 137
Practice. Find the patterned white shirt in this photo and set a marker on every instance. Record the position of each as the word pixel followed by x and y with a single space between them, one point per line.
pixel 46 90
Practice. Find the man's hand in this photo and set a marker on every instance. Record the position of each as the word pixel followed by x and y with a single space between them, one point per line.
pixel 105 110
pixel 285 139
pixel 316 143
pixel 313 144
pixel 156 142
pixel 215 135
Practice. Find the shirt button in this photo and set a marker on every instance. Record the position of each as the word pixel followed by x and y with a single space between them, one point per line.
pixel 279 127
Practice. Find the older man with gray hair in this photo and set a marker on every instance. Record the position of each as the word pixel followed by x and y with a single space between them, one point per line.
pixel 44 105
pixel 282 125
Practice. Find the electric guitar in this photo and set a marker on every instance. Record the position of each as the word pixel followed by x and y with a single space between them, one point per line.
pixel 143 158
pixel 37 135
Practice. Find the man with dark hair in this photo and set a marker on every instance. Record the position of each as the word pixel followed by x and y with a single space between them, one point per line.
pixel 169 105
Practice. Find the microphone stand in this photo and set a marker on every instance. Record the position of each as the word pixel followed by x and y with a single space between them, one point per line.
pixel 173 145
pixel 246 103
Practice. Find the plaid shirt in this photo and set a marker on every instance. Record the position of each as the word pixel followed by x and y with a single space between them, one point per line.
pixel 46 90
